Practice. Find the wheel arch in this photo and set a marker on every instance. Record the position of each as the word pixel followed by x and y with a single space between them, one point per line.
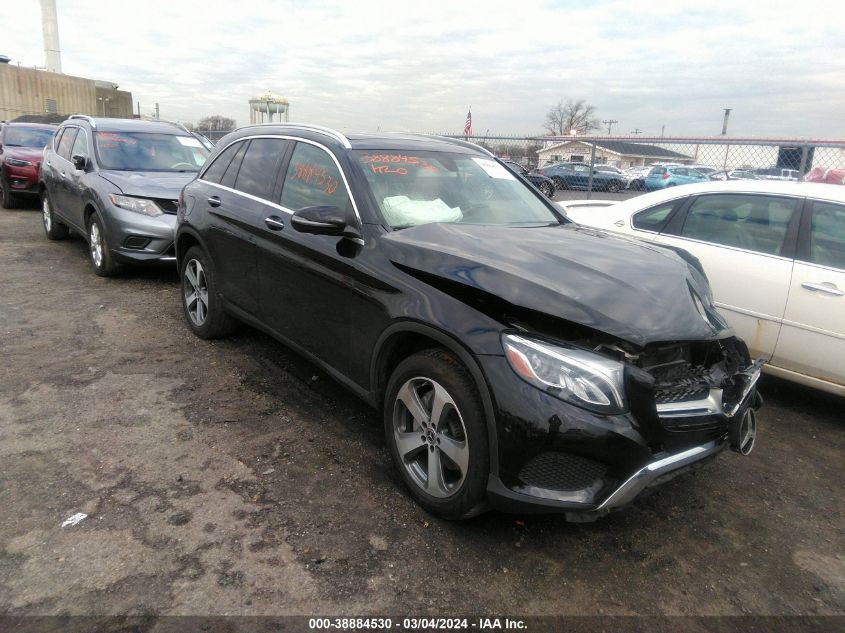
pixel 186 238
pixel 403 339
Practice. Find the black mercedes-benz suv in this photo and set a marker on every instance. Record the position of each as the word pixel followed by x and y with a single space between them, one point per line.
pixel 519 360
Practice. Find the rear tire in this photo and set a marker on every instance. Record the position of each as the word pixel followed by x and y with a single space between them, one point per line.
pixel 559 183
pixel 436 431
pixel 54 229
pixel 98 249
pixel 201 300
pixel 614 186
pixel 548 189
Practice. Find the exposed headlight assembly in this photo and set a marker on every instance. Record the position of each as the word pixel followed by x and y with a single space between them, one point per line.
pixel 574 375
pixel 17 162
pixel 138 205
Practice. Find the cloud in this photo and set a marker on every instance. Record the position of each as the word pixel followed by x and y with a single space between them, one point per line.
pixel 419 66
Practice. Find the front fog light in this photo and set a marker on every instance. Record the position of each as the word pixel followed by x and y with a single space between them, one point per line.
pixel 574 375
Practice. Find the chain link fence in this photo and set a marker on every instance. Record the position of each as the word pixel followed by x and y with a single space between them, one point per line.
pixel 628 165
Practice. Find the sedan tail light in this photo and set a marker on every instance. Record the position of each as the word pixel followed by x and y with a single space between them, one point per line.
pixel 665 175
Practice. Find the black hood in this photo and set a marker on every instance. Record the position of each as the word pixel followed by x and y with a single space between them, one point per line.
pixel 149 184
pixel 633 290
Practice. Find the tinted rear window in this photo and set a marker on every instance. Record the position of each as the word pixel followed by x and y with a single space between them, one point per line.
pixel 257 174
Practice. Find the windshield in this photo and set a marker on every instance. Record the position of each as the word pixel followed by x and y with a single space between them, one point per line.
pixel 27 137
pixel 422 187
pixel 142 151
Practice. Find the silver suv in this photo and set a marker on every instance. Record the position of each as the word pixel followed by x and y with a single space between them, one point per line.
pixel 117 181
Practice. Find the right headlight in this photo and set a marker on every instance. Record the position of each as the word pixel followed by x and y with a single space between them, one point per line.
pixel 138 205
pixel 572 374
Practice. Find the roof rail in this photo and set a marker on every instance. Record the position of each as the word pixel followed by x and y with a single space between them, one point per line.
pixel 458 141
pixel 319 129
pixel 86 118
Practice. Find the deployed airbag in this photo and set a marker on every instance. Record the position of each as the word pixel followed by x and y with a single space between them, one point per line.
pixel 402 211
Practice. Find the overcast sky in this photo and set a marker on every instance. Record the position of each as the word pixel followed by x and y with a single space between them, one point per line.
pixel 419 65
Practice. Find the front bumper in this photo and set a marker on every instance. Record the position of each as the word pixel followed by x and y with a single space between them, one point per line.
pixel 138 239
pixel 21 179
pixel 555 457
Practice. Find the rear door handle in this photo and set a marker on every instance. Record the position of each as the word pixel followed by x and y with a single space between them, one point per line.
pixel 830 289
pixel 213 201
pixel 274 223
pixel 61 174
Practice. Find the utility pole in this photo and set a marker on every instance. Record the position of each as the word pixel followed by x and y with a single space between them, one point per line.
pixel 156 110
pixel 725 122
pixel 636 130
pixel 662 131
pixel 610 123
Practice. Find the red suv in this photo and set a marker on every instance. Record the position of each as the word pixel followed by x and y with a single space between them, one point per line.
pixel 21 145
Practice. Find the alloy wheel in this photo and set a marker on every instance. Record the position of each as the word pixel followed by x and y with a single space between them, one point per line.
pixel 95 240
pixel 47 214
pixel 430 437
pixel 195 288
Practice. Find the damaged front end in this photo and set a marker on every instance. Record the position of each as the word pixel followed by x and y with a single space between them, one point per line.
pixel 684 403
pixel 702 387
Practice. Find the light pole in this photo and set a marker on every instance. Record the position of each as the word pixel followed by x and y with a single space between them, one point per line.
pixel 103 100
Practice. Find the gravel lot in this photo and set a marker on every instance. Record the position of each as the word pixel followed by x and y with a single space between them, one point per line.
pixel 233 477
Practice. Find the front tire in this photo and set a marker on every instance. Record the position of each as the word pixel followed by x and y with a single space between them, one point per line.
pixel 437 434
pixel 98 249
pixel 548 189
pixel 8 200
pixel 614 186
pixel 54 229
pixel 559 183
pixel 201 301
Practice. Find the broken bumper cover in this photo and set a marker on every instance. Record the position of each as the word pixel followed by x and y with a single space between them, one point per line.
pixel 629 465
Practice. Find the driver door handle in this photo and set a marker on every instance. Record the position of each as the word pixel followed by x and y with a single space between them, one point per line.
pixel 213 201
pixel 274 223
pixel 823 288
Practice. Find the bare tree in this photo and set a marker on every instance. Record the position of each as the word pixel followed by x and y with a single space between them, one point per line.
pixel 572 115
pixel 216 123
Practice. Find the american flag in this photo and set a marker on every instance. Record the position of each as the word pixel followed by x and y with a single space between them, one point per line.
pixel 468 124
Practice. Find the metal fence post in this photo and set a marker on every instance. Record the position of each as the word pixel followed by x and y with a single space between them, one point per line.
pixel 592 167
pixel 805 150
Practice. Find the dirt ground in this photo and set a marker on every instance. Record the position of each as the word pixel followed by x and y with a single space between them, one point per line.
pixel 232 477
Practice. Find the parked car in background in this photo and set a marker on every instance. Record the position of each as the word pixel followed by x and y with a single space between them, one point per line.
pixel 609 168
pixel 21 146
pixel 635 177
pixel 544 184
pixel 734 174
pixel 775 255
pixel 823 174
pixel 117 181
pixel 777 173
pixel 662 176
pixel 517 359
pixel 703 169
pixel 577 176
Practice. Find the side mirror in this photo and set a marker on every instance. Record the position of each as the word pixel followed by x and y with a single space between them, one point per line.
pixel 322 220
pixel 80 162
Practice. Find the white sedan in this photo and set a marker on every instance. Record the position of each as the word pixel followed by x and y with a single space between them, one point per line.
pixel 775 256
